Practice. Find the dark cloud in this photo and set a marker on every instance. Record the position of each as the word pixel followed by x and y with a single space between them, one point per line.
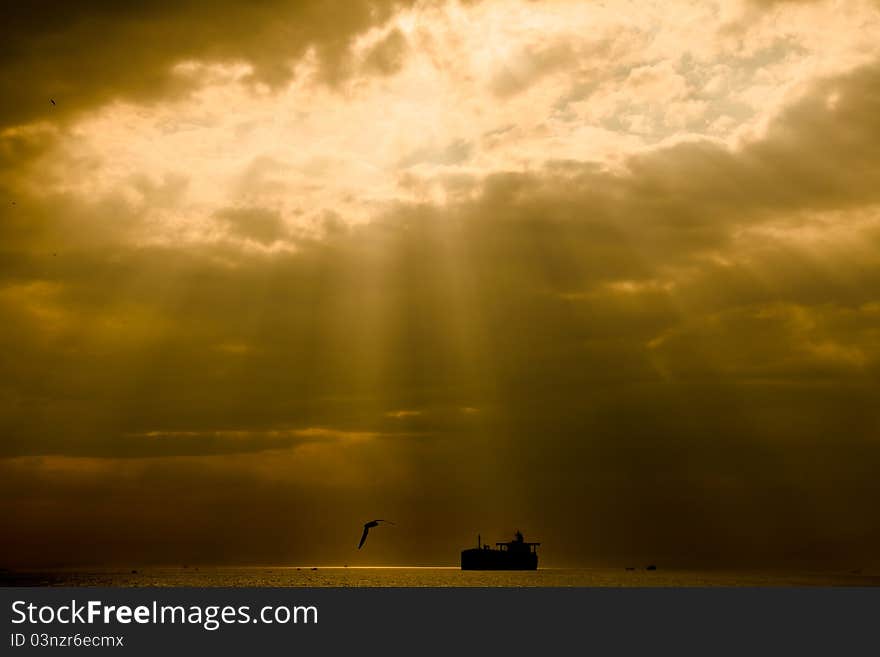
pixel 655 363
pixel 387 56
pixel 529 66
pixel 84 54
pixel 260 224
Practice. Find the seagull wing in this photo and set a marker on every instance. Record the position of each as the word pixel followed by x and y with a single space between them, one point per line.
pixel 363 537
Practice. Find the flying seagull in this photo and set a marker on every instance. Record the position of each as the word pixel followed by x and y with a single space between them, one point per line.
pixel 52 100
pixel 367 525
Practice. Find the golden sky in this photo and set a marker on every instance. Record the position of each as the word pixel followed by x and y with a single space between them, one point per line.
pixel 608 272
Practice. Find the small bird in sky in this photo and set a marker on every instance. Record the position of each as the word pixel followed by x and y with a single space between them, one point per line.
pixel 52 100
pixel 367 525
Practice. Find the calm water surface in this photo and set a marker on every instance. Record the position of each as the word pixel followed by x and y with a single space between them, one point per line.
pixel 308 576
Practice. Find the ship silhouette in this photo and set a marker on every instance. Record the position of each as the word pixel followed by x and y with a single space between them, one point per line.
pixel 511 555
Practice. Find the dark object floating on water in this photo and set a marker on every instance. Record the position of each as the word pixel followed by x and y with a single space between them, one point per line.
pixel 314 569
pixel 651 567
pixel 134 572
pixel 512 555
pixel 630 568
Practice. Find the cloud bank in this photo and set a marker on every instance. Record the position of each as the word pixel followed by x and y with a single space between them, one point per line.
pixel 305 264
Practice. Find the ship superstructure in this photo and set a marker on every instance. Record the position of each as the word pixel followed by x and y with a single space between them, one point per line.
pixel 517 554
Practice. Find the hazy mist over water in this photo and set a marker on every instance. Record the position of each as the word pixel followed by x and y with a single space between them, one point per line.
pixel 337 576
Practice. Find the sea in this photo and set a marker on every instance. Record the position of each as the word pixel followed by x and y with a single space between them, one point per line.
pixel 343 576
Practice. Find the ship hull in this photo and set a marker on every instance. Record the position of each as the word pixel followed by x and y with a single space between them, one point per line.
pixel 477 559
